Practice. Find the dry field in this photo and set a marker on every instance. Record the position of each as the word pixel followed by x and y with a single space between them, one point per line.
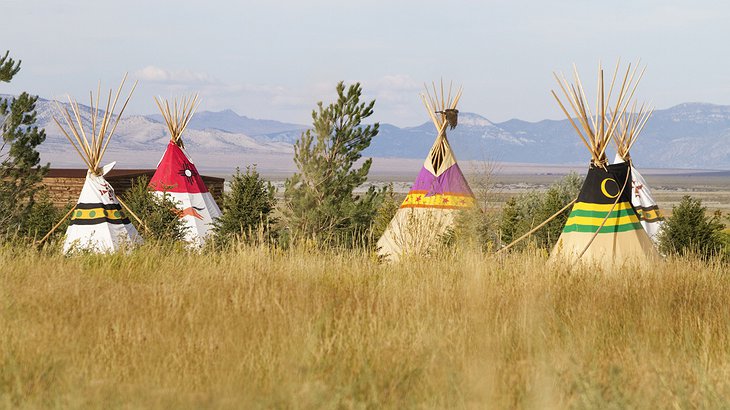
pixel 256 328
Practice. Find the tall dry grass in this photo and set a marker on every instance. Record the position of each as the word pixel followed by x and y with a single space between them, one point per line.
pixel 257 328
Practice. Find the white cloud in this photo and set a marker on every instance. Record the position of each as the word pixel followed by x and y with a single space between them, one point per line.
pixel 163 76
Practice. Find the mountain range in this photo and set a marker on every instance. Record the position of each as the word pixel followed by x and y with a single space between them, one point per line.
pixel 690 135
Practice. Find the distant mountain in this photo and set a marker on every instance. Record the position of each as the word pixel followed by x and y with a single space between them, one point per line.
pixel 228 120
pixel 691 135
pixel 139 141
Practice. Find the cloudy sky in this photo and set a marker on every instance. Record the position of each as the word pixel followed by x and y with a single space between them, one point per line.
pixel 276 58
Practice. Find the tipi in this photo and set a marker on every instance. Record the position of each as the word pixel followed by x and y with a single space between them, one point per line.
pixel 646 208
pixel 440 189
pixel 98 223
pixel 602 227
pixel 178 177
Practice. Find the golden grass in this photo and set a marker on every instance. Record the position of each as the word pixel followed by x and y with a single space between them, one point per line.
pixel 257 328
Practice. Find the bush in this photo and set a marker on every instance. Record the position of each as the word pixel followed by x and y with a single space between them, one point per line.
pixel 524 212
pixel 385 213
pixel 42 217
pixel 246 208
pixel 691 230
pixel 159 213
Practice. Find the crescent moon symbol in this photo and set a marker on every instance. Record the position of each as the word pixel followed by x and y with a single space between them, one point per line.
pixel 603 188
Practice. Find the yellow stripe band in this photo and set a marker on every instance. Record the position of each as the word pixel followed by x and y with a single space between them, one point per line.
pixel 447 200
pixel 95 213
pixel 651 215
pixel 586 206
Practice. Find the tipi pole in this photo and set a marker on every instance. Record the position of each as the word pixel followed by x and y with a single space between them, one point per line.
pixel 146 229
pixel 48 235
pixel 555 215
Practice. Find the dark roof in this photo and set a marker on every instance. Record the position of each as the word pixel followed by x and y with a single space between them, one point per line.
pixel 115 173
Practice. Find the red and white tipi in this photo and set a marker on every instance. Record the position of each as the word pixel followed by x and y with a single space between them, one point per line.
pixel 178 177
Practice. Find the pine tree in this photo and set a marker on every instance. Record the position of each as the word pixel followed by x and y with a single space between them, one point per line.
pixel 20 172
pixel 8 68
pixel 319 200
pixel 247 207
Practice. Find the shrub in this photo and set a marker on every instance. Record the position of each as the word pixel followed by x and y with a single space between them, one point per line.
pixel 42 217
pixel 247 208
pixel 524 212
pixel 386 212
pixel 159 213
pixel 691 230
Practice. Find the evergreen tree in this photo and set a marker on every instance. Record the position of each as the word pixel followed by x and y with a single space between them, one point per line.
pixel 8 68
pixel 20 172
pixel 319 200
pixel 247 206
pixel 690 229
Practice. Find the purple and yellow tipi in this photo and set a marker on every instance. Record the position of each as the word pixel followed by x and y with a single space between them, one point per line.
pixel 440 190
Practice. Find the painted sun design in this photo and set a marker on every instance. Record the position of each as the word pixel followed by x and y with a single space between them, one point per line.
pixel 188 172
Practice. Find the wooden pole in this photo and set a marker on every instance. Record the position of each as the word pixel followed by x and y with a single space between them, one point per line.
pixel 555 215
pixel 146 229
pixel 48 235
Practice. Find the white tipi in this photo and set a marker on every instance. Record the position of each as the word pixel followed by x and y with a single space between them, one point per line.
pixel 646 208
pixel 178 177
pixel 98 223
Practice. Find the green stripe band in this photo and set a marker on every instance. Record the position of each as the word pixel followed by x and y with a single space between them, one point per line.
pixel 606 228
pixel 599 214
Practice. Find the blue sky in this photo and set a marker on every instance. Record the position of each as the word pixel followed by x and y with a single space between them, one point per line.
pixel 275 59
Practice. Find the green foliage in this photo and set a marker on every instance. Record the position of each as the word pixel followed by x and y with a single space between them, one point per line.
pixel 691 230
pixel 478 227
pixel 386 212
pixel 42 217
pixel 159 213
pixel 247 208
pixel 319 200
pixel 20 172
pixel 523 213
pixel 8 68
pixel 474 228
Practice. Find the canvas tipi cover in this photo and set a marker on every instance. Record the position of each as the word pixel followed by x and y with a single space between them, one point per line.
pixel 428 210
pixel 98 223
pixel 178 177
pixel 603 227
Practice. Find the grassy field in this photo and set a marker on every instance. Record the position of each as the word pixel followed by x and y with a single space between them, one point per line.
pixel 258 328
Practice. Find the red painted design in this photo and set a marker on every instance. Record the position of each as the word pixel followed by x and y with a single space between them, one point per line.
pixel 176 173
pixel 191 211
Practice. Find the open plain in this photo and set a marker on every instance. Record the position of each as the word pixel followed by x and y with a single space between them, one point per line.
pixel 256 327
